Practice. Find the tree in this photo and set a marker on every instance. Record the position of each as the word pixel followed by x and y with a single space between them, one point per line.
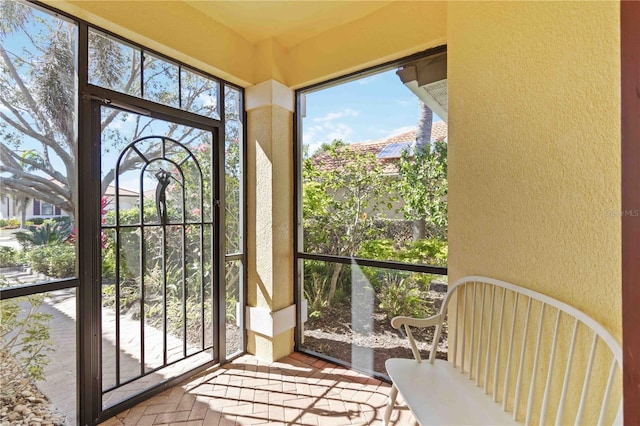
pixel 423 128
pixel 423 187
pixel 21 202
pixel 37 96
pixel 38 102
pixel 423 144
pixel 344 192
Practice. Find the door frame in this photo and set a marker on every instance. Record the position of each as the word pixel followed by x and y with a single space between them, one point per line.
pixel 153 111
pixel 90 410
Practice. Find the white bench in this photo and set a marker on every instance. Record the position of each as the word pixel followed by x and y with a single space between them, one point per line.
pixel 515 356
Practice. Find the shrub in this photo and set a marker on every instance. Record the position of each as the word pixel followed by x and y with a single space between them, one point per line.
pixel 9 257
pixel 38 259
pixel 14 223
pixel 62 262
pixel 57 261
pixel 402 297
pixel 36 221
pixel 316 289
pixel 50 233
pixel 24 333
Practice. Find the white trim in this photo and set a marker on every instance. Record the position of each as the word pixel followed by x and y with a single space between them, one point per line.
pixel 270 92
pixel 270 324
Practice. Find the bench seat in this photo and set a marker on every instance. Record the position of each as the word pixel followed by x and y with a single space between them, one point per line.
pixel 439 394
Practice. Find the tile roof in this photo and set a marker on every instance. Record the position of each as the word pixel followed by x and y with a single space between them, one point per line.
pixel 392 146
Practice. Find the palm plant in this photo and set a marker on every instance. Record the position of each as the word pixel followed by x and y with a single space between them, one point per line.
pixel 49 233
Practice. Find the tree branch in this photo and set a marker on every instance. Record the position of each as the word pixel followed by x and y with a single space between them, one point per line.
pixel 25 92
pixel 39 192
pixel 64 155
pixel 10 156
pixel 33 180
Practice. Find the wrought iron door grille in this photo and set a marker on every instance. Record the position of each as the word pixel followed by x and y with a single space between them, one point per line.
pixel 167 285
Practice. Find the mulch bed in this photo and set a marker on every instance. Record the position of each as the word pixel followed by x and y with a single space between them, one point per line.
pixel 333 335
pixel 21 401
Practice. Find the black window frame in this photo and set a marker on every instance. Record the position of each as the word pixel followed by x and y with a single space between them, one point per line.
pixel 298 242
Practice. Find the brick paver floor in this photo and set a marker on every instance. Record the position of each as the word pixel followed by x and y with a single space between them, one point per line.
pixel 297 390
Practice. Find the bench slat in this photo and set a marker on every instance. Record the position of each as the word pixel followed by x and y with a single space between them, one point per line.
pixel 499 340
pixel 523 351
pixel 552 359
pixel 534 374
pixel 587 380
pixel 508 367
pixel 486 365
pixel 567 374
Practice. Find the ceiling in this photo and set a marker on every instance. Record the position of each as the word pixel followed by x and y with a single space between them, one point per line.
pixel 260 20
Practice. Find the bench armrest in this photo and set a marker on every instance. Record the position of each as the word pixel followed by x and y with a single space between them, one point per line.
pixel 398 322
pixel 408 322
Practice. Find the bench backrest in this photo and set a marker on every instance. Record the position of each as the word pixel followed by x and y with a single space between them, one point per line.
pixel 542 359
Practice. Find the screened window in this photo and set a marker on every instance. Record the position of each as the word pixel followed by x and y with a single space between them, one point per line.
pixel 372 211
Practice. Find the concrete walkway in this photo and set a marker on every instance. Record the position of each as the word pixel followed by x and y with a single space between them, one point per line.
pixel 60 383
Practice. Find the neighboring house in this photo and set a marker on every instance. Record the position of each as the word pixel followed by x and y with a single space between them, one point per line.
pixel 387 151
pixel 127 198
pixel 35 209
pixel 9 208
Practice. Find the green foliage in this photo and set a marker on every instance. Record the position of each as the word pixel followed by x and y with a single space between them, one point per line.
pixel 403 297
pixel 57 261
pixel 316 287
pixel 24 333
pixel 11 223
pixel 230 309
pixel 432 252
pixel 108 261
pixel 329 147
pixel 49 233
pixel 340 205
pixel 428 251
pixel 10 257
pixel 423 187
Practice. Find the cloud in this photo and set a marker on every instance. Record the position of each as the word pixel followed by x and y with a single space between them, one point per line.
pixel 406 102
pixel 327 128
pixel 336 115
pixel 400 130
pixel 325 132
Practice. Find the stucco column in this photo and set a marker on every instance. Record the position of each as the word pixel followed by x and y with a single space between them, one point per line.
pixel 270 309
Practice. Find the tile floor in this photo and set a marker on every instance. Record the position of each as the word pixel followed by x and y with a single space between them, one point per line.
pixel 297 390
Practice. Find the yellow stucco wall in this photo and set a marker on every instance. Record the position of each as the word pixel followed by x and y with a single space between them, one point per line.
pixel 534 150
pixel 392 32
pixel 534 155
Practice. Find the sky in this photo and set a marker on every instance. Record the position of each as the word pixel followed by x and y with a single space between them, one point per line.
pixel 375 107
